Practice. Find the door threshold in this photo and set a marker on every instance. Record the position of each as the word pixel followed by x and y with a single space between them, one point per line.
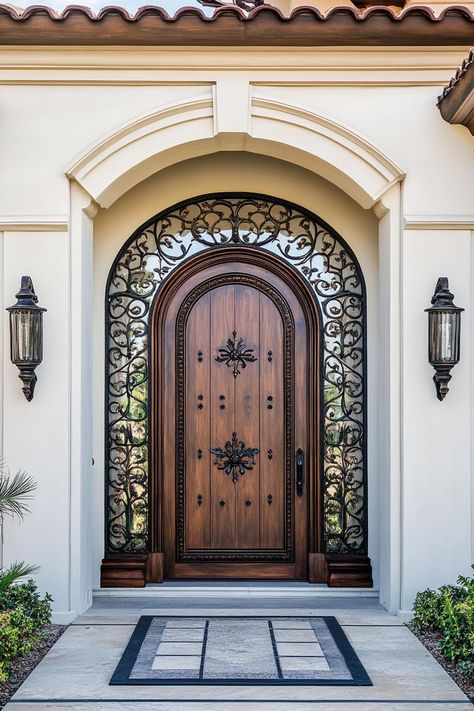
pixel 247 589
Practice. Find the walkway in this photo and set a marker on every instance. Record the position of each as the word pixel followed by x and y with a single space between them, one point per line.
pixel 75 674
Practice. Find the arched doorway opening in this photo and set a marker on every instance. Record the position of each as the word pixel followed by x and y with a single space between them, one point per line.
pixel 320 273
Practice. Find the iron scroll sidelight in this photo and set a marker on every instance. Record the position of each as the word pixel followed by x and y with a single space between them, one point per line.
pixel 327 264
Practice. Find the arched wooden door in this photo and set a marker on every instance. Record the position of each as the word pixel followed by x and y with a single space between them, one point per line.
pixel 233 421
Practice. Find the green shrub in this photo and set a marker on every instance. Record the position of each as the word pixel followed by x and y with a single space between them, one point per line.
pixel 449 611
pixel 22 610
pixel 22 613
pixel 27 596
pixel 426 610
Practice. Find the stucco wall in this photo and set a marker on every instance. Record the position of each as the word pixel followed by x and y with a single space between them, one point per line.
pixel 36 435
pixel 314 109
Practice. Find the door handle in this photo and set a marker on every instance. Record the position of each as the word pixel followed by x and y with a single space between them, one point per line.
pixel 299 472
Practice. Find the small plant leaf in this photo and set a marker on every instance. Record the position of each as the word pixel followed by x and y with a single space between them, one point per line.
pixel 15 572
pixel 15 491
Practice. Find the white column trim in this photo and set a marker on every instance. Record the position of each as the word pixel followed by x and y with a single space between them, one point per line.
pixel 390 402
pixel 439 222
pixel 81 265
pixel 34 223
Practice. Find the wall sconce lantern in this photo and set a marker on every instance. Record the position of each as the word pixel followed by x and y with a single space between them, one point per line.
pixel 444 331
pixel 26 335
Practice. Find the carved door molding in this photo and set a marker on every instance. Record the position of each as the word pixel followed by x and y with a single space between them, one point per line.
pixel 288 371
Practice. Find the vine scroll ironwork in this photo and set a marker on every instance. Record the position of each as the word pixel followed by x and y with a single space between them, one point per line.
pixel 329 266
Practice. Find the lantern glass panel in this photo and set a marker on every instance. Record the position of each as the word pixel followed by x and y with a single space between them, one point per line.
pixel 26 336
pixel 444 336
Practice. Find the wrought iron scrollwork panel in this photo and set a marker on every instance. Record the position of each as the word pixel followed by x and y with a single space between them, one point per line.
pixel 329 266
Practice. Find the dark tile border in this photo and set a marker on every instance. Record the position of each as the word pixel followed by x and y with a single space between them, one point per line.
pixel 121 675
pixel 129 657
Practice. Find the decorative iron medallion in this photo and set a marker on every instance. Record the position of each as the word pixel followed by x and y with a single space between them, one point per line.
pixel 235 353
pixel 235 458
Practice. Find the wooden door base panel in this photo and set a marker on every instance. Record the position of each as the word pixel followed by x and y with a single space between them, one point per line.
pixel 317 568
pixel 242 571
pixel 135 571
pixel 124 571
pixel 349 571
pixel 155 568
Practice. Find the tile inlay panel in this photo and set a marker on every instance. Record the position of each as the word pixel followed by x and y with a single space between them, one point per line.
pixel 252 650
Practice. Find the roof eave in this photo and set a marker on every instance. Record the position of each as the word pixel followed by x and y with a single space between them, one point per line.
pixel 230 26
pixel 456 103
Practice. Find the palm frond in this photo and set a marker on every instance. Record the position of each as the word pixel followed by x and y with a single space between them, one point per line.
pixel 15 492
pixel 14 572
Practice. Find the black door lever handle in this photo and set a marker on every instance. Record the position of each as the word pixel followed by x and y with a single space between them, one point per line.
pixel 299 472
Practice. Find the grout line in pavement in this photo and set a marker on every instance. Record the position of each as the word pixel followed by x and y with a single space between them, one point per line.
pixel 242 701
pixel 133 624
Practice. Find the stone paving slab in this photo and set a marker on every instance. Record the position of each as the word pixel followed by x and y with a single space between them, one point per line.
pixel 107 605
pixel 211 705
pixel 76 672
pixel 344 616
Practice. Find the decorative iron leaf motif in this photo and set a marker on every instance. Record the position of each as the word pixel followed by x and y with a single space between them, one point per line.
pixel 236 354
pixel 235 458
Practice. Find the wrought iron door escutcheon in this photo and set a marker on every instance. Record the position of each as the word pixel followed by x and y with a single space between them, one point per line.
pixel 235 353
pixel 235 458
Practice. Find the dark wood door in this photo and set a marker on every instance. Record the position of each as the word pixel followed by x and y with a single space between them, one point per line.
pixel 235 410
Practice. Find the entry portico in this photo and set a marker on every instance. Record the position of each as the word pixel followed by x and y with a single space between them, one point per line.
pixel 139 138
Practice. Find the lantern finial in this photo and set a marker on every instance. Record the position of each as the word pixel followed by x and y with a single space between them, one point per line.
pixel 442 296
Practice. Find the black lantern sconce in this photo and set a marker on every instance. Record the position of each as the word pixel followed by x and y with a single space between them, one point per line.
pixel 26 335
pixel 444 331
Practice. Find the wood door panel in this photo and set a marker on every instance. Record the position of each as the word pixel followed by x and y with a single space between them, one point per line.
pixel 245 397
pixel 222 421
pixel 198 459
pixel 246 418
pixel 272 436
pixel 231 521
pixel 242 571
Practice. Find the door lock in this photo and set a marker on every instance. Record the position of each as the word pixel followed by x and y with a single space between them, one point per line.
pixel 299 472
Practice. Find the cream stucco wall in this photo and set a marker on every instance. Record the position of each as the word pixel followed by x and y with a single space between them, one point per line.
pixel 353 135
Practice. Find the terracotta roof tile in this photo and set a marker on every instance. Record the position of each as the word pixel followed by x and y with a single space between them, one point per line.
pixel 231 26
pixel 426 11
pixel 456 103
pixel 460 73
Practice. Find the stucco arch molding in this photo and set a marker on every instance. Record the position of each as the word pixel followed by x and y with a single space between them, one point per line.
pixel 188 129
